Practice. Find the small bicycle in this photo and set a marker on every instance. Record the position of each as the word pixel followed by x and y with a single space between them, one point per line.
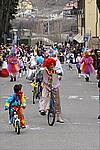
pixel 52 111
pixel 16 122
pixel 37 89
pixel 36 84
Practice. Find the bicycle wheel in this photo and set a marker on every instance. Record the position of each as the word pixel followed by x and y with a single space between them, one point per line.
pixel 38 93
pixel 14 125
pixel 33 97
pixel 51 118
pixel 17 127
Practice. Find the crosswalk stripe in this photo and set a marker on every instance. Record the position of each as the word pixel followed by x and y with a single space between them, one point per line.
pixel 78 97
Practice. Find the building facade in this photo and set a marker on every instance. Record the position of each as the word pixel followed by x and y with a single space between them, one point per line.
pixel 88 19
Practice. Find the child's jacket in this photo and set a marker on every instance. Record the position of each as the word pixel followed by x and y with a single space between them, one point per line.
pixel 12 101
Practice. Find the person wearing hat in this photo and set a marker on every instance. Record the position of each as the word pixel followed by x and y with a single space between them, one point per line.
pixel 50 78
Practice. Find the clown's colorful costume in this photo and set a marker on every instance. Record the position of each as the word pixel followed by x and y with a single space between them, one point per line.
pixel 13 65
pixel 50 78
pixel 87 65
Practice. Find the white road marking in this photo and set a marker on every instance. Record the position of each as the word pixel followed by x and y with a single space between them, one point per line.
pixel 95 97
pixel 34 128
pixel 72 97
pixel 82 123
pixel 37 128
pixel 4 96
pixel 76 123
pixel 75 97
pixel 78 97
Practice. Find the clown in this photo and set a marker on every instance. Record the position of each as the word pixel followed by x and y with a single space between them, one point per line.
pixel 50 78
pixel 13 64
pixel 87 65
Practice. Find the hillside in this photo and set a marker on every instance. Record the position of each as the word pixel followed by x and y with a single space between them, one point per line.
pixel 40 4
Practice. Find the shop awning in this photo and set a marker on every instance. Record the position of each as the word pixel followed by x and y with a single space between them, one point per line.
pixel 79 38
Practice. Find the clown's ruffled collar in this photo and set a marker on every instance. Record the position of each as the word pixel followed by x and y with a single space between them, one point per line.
pixel 50 72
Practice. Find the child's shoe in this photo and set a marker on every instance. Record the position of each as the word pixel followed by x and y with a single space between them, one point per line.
pixel 10 122
pixel 23 127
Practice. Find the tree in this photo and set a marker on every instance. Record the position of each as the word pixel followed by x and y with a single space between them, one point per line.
pixel 8 9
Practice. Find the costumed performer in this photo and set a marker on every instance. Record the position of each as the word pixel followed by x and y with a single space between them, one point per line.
pixel 50 78
pixel 13 65
pixel 87 65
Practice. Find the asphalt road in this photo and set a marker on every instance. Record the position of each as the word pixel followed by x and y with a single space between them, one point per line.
pixel 80 108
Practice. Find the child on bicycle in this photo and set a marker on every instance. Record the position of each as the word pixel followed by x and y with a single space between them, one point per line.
pixel 37 79
pixel 50 80
pixel 16 102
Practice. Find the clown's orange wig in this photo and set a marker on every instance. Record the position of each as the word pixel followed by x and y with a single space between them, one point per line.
pixel 48 62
